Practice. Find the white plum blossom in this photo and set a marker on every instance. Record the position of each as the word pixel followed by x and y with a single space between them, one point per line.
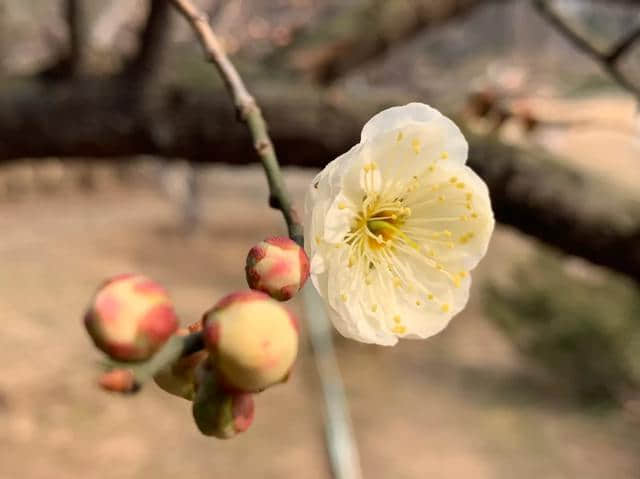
pixel 394 225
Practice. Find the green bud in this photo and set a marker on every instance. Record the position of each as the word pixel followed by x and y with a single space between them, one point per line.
pixel 217 412
pixel 178 378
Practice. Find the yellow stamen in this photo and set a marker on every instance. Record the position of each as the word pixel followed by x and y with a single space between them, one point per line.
pixel 383 228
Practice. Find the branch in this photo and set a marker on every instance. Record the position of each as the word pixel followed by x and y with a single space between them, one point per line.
pixel 623 45
pixel 73 62
pixel 341 43
pixel 575 212
pixel 175 348
pixel 619 2
pixel 531 191
pixel 248 111
pixel 608 61
pixel 152 42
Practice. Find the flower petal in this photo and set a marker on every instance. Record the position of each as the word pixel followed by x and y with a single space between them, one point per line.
pixel 319 198
pixel 430 300
pixel 338 220
pixel 350 302
pixel 452 219
pixel 399 117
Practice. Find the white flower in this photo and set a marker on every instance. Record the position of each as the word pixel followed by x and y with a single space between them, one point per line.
pixel 394 226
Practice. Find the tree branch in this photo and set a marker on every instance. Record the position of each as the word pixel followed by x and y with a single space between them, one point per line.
pixel 248 111
pixel 530 191
pixel 623 45
pixel 73 62
pixel 341 43
pixel 575 212
pixel 608 61
pixel 175 348
pixel 152 42
pixel 354 36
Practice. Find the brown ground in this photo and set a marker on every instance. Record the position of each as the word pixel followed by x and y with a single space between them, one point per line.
pixel 461 405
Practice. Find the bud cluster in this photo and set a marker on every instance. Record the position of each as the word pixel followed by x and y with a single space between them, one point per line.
pixel 250 339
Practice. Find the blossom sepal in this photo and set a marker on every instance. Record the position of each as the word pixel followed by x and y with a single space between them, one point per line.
pixel 178 378
pixel 216 411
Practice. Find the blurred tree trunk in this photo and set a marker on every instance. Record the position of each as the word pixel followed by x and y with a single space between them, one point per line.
pixel 73 62
pixel 153 38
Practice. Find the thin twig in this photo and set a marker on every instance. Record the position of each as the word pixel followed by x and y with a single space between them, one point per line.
pixel 73 62
pixel 175 348
pixel 623 45
pixel 75 17
pixel 607 60
pixel 248 111
pixel 341 445
pixel 340 441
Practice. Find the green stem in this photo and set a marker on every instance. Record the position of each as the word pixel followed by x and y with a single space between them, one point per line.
pixel 175 348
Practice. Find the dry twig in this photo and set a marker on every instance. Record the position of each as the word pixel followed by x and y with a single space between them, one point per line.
pixel 609 61
pixel 248 111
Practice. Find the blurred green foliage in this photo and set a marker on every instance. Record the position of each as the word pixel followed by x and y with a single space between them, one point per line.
pixel 585 328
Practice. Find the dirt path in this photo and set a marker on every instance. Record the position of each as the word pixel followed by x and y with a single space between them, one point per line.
pixel 462 405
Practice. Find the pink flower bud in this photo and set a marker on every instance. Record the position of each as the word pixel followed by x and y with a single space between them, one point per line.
pixel 278 267
pixel 217 412
pixel 118 380
pixel 130 317
pixel 252 339
pixel 179 378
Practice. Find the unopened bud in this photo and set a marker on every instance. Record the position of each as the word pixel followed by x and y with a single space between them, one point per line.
pixel 130 318
pixel 218 412
pixel 252 339
pixel 278 267
pixel 118 380
pixel 178 378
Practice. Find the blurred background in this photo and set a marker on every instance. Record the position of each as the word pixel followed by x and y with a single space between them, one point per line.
pixel 119 151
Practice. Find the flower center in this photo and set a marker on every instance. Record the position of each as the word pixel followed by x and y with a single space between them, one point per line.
pixel 380 222
pixel 388 229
